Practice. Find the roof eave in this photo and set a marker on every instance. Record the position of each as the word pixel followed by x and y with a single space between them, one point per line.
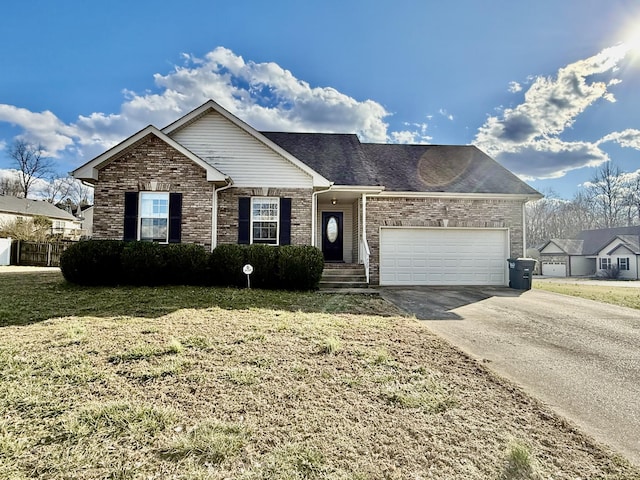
pixel 500 196
pixel 89 171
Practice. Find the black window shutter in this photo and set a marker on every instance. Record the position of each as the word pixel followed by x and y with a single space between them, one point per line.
pixel 130 216
pixel 244 220
pixel 175 217
pixel 285 221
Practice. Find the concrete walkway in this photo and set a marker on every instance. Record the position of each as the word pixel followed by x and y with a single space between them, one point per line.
pixel 580 357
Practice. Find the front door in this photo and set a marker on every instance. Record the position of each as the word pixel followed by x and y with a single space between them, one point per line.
pixel 332 236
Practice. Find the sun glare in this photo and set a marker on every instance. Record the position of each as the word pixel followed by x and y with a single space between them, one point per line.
pixel 632 38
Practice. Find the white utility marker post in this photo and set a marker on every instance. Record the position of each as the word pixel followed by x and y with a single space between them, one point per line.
pixel 248 270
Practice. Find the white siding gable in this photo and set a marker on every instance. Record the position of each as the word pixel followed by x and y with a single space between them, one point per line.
pixel 616 242
pixel 236 153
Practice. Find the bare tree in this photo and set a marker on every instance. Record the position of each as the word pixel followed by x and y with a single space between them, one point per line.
pixel 31 162
pixel 10 186
pixel 606 195
pixel 58 189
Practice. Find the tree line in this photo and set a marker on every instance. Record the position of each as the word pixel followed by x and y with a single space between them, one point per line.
pixel 610 199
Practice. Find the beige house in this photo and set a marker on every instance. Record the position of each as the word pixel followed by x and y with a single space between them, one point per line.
pixel 409 214
pixel 63 223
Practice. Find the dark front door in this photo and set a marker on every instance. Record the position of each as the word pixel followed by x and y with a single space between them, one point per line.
pixel 332 236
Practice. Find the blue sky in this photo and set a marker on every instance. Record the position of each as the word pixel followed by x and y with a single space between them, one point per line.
pixel 549 88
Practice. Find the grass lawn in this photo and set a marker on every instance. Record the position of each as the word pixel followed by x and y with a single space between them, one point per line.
pixel 184 382
pixel 623 296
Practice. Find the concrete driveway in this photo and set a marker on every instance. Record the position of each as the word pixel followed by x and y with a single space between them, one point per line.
pixel 580 357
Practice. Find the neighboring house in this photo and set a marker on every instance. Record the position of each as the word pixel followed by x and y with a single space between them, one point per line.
pixel 411 214
pixel 593 251
pixel 63 223
pixel 85 216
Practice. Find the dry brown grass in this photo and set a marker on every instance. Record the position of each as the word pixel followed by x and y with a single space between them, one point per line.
pixel 263 393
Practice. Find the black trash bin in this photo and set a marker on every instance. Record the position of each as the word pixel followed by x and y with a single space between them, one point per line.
pixel 521 272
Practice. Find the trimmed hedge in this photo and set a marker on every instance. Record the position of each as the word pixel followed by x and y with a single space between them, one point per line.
pixel 93 262
pixel 112 262
pixel 148 263
pixel 300 267
pixel 289 267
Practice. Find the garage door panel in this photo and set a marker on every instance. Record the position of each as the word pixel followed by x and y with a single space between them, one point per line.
pixel 554 269
pixel 419 256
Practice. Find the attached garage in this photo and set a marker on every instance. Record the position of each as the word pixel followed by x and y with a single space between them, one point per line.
pixel 443 256
pixel 554 269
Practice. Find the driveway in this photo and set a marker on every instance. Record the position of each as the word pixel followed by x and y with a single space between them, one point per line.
pixel 580 357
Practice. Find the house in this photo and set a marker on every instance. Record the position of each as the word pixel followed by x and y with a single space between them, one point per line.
pixel 410 214
pixel 84 214
pixel 63 223
pixel 593 251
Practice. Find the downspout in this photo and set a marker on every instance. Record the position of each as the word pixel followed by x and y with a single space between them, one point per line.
pixel 214 212
pixel 367 252
pixel 524 229
pixel 314 213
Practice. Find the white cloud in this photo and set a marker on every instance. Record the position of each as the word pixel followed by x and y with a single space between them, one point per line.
pixel 40 128
pixel 445 114
pixel 514 87
pixel 264 95
pixel 629 138
pixel 527 138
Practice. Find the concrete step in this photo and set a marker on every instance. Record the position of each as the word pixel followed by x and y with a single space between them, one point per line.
pixel 343 276
pixel 335 285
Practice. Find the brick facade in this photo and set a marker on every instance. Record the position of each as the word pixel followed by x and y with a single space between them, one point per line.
pixel 430 212
pixel 300 212
pixel 151 160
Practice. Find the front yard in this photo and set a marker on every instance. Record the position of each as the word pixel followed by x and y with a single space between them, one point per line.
pixel 186 382
pixel 615 295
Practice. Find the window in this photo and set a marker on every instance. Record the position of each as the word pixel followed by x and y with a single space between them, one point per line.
pixel 154 216
pixel 605 263
pixel 623 264
pixel 57 226
pixel 264 220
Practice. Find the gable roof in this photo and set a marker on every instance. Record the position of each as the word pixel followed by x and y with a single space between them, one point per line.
pixel 596 240
pixel 172 128
pixel 28 207
pixel 567 245
pixel 402 168
pixel 89 171
pixel 630 242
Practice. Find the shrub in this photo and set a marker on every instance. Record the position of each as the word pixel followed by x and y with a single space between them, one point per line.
pixel 264 260
pixel 225 265
pixel 93 262
pixel 186 264
pixel 144 263
pixel 300 267
pixel 611 273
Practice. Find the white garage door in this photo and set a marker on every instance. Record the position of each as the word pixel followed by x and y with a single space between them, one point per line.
pixel 554 269
pixel 422 256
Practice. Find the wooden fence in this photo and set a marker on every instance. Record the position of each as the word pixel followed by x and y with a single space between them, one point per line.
pixel 38 254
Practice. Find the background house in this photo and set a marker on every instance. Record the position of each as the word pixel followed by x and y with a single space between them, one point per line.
pixel 593 251
pixel 63 223
pixel 407 214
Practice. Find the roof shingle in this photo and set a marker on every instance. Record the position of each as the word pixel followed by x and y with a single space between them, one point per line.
pixel 401 168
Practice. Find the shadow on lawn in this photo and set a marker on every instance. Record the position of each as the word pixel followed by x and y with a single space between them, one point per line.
pixel 36 296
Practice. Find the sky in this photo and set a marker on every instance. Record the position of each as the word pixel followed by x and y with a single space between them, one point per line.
pixel 549 88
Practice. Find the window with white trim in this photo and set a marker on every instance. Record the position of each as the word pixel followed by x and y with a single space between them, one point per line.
pixel 605 263
pixel 154 217
pixel 623 264
pixel 265 214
